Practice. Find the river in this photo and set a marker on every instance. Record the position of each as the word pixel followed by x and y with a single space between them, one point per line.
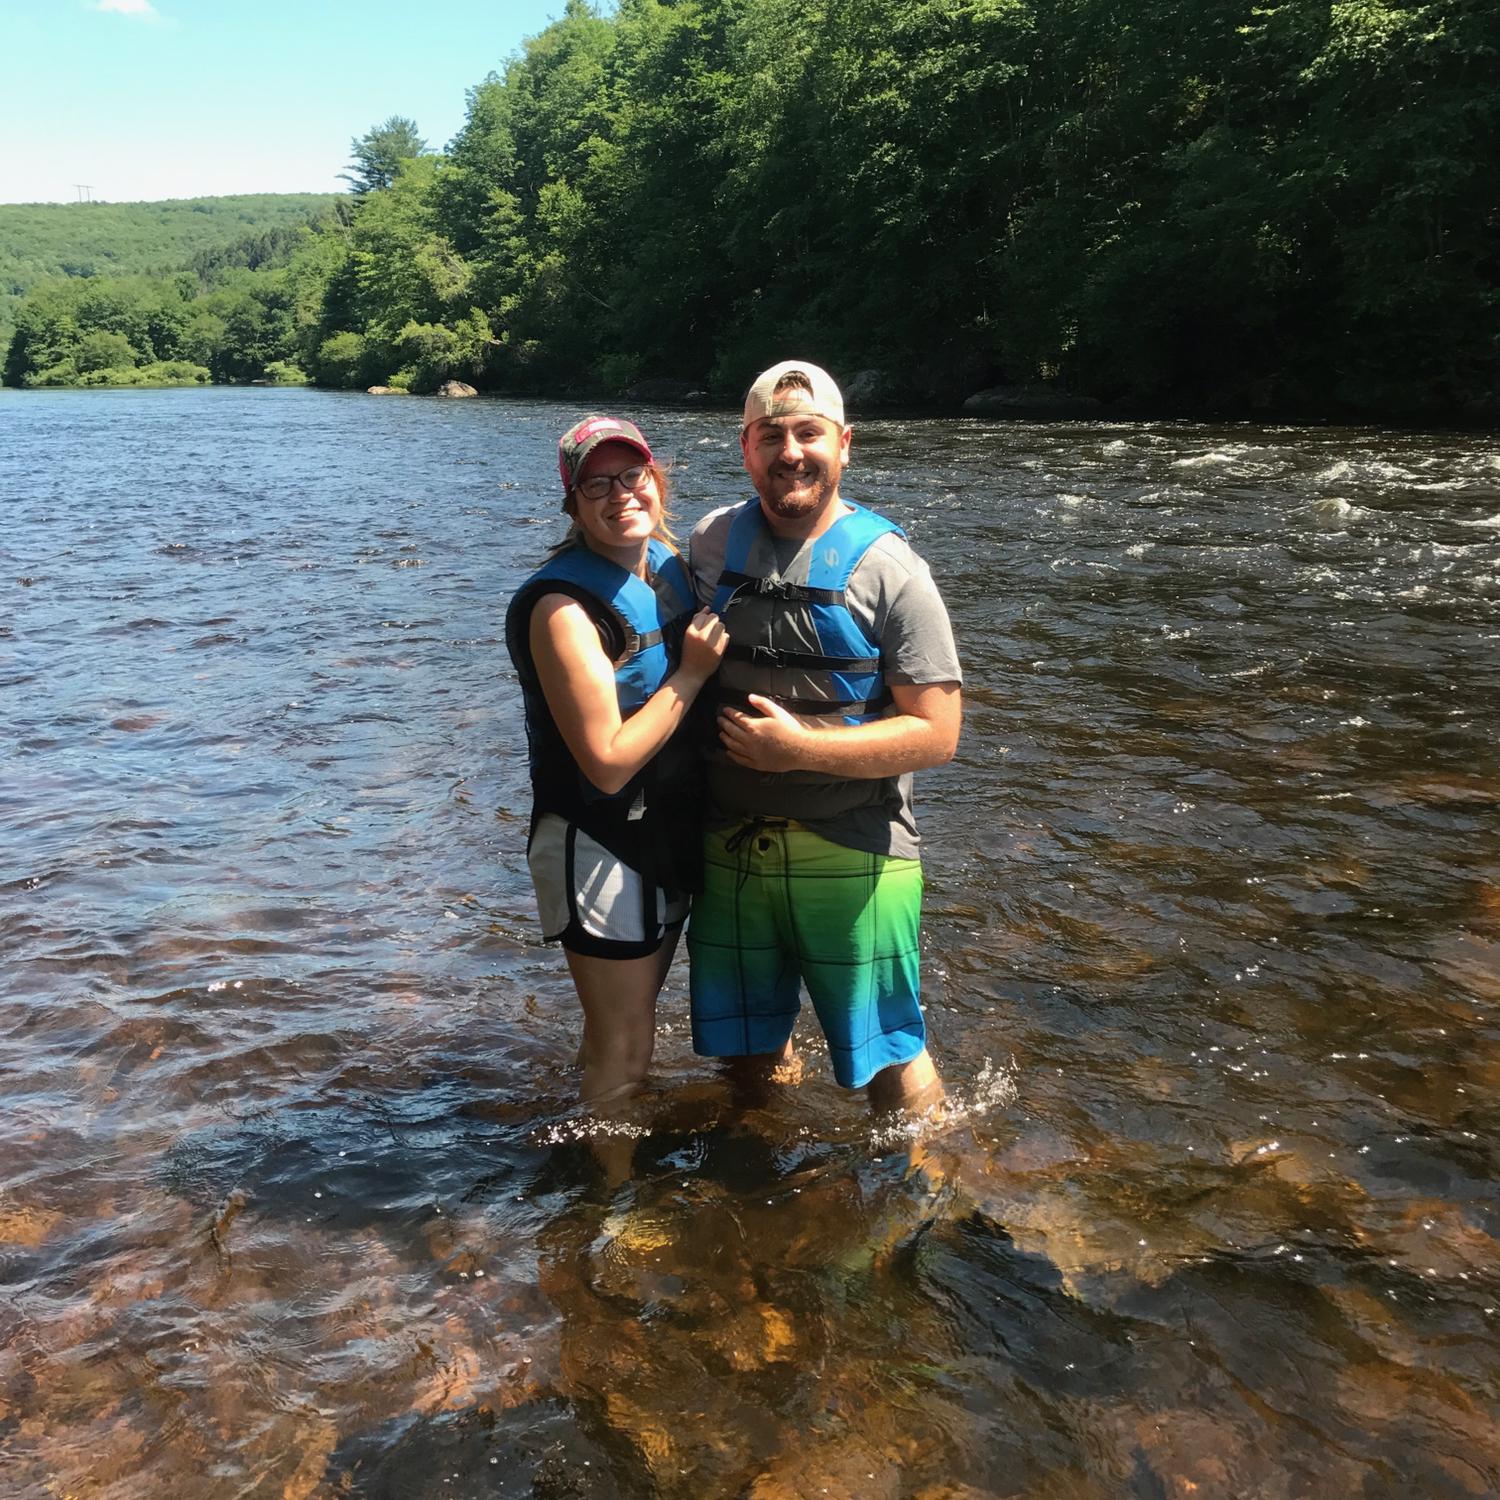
pixel 294 1198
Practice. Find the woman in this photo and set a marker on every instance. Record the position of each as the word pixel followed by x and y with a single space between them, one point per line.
pixel 611 659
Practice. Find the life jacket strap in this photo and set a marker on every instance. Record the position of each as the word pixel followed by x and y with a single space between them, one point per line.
pixel 808 661
pixel 820 708
pixel 741 584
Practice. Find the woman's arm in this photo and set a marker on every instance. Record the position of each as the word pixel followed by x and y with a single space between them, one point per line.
pixel 578 682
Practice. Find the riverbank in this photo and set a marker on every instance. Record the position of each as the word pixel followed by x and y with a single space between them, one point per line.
pixel 868 395
pixel 866 400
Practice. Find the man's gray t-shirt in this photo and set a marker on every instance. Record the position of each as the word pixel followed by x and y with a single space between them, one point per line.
pixel 895 602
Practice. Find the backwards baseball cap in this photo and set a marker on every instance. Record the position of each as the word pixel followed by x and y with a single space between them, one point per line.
pixel 575 445
pixel 814 391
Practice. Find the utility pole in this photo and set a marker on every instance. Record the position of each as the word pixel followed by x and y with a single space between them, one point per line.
pixel 85 191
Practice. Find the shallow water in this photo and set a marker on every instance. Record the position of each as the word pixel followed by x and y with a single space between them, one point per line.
pixel 293 1197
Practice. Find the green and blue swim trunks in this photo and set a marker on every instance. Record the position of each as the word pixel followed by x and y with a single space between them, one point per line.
pixel 782 907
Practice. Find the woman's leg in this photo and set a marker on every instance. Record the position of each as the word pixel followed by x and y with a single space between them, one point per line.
pixel 618 996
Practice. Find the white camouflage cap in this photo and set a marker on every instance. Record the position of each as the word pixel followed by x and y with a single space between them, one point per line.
pixel 819 395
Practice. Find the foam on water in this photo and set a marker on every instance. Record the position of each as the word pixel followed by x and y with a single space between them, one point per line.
pixel 1204 460
pixel 1336 507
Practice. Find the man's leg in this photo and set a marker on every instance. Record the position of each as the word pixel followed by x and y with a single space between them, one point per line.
pixel 855 919
pixel 744 984
pixel 912 1086
pixel 752 1078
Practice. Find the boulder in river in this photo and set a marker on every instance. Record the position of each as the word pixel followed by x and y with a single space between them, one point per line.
pixel 455 388
pixel 1029 401
pixel 866 388
pixel 664 388
pixel 385 390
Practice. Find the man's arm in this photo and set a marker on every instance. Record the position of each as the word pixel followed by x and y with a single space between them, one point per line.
pixel 922 732
pixel 703 556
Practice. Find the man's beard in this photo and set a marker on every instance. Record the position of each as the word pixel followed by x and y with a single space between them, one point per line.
pixel 809 497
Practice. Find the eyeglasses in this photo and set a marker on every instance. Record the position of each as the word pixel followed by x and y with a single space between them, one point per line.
pixel 597 486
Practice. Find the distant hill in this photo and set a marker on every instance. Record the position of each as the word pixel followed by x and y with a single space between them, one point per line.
pixel 119 239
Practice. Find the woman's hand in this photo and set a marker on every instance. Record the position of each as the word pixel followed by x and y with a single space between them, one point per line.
pixel 703 646
pixel 578 682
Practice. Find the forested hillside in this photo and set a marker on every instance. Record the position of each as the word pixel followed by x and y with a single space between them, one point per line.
pixel 38 240
pixel 1180 204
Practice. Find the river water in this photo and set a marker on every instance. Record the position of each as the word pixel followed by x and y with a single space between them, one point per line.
pixel 294 1200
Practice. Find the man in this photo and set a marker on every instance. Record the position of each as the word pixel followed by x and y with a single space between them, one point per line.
pixel 839 681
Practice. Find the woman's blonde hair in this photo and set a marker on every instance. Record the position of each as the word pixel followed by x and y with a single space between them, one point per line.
pixel 662 532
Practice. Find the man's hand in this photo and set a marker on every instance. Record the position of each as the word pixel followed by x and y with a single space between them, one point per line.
pixel 922 732
pixel 768 740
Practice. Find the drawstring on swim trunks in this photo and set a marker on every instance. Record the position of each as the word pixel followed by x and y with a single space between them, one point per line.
pixel 750 828
pixel 738 842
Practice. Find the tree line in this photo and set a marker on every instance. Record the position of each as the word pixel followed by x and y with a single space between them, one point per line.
pixel 228 316
pixel 1174 203
pixel 39 241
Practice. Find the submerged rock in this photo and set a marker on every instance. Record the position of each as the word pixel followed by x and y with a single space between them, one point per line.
pixel 1029 400
pixel 385 390
pixel 664 388
pixel 844 1468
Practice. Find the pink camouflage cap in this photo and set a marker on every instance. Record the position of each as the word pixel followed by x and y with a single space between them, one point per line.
pixel 575 445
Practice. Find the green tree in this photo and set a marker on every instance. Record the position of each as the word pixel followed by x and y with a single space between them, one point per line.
pixel 321 286
pixel 256 310
pixel 661 171
pixel 102 351
pixel 46 333
pixel 402 268
pixel 345 360
pixel 379 153
pixel 431 353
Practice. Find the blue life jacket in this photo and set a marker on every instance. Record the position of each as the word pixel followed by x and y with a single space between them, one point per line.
pixel 792 637
pixel 640 626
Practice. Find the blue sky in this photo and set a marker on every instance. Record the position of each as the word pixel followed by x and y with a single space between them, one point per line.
pixel 146 99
